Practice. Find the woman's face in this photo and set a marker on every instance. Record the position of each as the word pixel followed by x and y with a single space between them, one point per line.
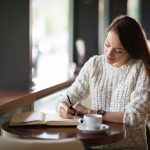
pixel 114 51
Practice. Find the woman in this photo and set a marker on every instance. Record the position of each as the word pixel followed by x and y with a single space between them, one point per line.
pixel 117 82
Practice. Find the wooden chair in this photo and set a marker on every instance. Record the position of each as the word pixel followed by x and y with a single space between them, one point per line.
pixel 35 144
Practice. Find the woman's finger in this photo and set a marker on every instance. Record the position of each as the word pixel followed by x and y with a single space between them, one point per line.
pixel 81 109
pixel 64 111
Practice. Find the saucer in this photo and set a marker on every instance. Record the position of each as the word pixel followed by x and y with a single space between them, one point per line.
pixel 102 128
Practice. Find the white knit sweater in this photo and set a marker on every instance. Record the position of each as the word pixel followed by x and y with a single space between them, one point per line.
pixel 123 89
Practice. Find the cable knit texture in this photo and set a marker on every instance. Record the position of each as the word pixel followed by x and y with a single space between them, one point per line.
pixel 123 89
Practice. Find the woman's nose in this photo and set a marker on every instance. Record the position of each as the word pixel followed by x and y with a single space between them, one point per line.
pixel 110 52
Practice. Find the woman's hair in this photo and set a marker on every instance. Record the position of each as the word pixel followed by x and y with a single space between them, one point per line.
pixel 132 37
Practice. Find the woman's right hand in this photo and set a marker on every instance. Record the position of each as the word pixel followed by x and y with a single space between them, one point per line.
pixel 64 111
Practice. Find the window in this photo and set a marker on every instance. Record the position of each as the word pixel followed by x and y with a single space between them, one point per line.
pixel 50 40
pixel 133 9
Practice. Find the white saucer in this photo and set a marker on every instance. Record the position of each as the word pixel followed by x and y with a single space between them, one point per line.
pixel 102 128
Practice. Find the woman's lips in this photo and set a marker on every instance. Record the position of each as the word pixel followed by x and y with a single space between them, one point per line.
pixel 111 59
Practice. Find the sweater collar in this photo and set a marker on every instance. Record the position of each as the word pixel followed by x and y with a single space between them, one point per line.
pixel 123 68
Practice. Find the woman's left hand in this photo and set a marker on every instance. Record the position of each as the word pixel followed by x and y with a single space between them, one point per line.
pixel 81 109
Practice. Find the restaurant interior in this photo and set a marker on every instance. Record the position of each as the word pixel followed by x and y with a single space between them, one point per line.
pixel 44 44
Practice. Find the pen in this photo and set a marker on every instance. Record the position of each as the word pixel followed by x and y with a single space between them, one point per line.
pixel 70 103
pixel 78 114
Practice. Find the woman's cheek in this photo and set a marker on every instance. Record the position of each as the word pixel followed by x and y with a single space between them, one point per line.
pixel 105 50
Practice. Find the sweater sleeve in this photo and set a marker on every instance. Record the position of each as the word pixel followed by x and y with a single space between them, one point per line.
pixel 137 109
pixel 80 88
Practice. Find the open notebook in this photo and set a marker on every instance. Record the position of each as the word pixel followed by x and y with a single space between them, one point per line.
pixel 41 118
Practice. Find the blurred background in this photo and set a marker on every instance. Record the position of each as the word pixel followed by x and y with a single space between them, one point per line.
pixel 65 33
pixel 46 42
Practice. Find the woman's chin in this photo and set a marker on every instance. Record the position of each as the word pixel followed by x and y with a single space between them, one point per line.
pixel 110 61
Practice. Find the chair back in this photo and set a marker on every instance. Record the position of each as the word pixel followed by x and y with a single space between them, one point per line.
pixel 34 144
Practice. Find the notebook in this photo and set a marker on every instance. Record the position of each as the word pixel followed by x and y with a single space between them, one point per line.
pixel 41 118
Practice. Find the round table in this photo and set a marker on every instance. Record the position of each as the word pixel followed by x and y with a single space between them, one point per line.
pixel 115 133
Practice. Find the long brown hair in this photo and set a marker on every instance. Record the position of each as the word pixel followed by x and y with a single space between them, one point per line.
pixel 132 37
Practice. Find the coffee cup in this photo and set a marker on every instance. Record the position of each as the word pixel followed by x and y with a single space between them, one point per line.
pixel 91 121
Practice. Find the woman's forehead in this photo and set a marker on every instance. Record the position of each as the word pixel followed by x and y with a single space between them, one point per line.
pixel 113 39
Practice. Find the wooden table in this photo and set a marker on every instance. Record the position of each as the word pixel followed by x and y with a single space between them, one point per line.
pixel 115 133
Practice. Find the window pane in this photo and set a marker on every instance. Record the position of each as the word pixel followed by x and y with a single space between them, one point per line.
pixel 50 19
pixel 133 9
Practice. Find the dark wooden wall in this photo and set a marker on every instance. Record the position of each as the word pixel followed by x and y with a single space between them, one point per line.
pixel 14 44
pixel 116 8
pixel 86 26
pixel 145 16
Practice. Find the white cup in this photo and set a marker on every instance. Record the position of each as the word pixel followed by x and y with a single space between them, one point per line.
pixel 91 121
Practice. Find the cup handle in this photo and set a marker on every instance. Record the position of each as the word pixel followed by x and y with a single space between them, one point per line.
pixel 81 120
